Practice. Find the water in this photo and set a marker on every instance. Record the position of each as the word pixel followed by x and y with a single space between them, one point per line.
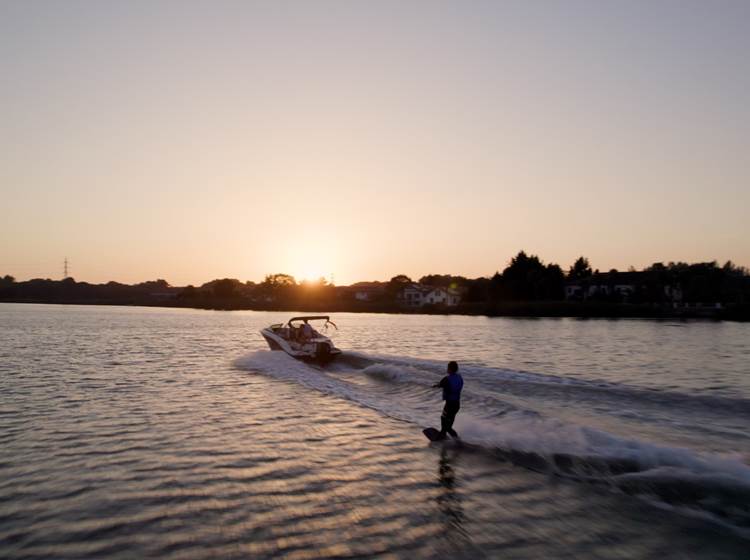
pixel 134 432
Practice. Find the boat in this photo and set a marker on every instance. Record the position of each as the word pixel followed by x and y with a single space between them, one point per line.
pixel 300 340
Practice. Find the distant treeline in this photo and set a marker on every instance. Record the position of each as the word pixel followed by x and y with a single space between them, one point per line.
pixel 525 287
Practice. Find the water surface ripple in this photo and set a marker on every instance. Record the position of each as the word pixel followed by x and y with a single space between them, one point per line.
pixel 134 432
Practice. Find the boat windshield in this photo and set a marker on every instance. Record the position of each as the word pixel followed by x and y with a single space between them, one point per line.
pixel 321 324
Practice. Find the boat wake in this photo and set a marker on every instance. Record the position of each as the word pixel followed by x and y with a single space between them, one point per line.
pixel 505 415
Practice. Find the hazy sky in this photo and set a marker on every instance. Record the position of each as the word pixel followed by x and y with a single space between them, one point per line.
pixel 196 140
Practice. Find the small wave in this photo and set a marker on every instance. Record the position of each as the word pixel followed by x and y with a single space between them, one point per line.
pixel 490 377
pixel 393 373
pixel 715 484
pixel 282 367
pixel 719 496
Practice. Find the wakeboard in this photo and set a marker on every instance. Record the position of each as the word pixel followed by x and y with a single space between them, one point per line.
pixel 432 434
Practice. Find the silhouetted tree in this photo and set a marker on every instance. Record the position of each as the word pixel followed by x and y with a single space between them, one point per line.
pixel 729 268
pixel 277 287
pixel 396 284
pixel 226 288
pixel 522 276
pixel 581 269
pixel 554 283
pixel 444 281
pixel 6 285
pixel 153 285
pixel 496 287
pixel 400 279
pixel 527 278
pixel 188 292
pixel 477 290
pixel 276 280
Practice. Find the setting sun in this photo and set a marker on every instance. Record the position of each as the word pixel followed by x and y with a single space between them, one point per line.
pixel 310 262
pixel 312 276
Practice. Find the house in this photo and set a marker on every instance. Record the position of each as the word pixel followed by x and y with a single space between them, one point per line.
pixel 418 295
pixel 442 296
pixel 673 293
pixel 608 285
pixel 412 295
pixel 367 291
pixel 574 290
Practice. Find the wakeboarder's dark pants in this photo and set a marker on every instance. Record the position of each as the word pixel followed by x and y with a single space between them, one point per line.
pixel 449 415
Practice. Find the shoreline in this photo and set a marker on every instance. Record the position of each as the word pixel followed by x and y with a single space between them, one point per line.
pixel 553 309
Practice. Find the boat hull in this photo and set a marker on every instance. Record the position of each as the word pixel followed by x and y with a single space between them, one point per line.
pixel 320 352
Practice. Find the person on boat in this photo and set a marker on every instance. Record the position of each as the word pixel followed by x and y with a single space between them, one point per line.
pixel 451 385
pixel 307 332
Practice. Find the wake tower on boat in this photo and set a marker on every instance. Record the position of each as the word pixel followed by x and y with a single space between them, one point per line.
pixel 301 340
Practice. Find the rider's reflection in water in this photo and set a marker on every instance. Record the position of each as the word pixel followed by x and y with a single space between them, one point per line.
pixel 449 500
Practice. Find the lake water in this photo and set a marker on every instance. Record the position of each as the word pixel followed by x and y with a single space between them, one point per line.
pixel 143 432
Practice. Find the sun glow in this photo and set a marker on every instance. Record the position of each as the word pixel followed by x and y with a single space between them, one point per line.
pixel 313 275
pixel 309 269
pixel 310 263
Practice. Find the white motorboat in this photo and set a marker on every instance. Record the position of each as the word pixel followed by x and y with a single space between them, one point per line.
pixel 300 340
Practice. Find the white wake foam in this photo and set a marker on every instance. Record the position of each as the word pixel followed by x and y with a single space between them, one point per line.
pixel 518 429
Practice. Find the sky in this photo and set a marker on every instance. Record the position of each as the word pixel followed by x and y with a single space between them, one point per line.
pixel 359 140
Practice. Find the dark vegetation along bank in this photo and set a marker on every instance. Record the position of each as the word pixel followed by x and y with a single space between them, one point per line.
pixel 526 287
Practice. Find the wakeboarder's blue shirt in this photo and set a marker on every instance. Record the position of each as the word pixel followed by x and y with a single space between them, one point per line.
pixel 452 385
